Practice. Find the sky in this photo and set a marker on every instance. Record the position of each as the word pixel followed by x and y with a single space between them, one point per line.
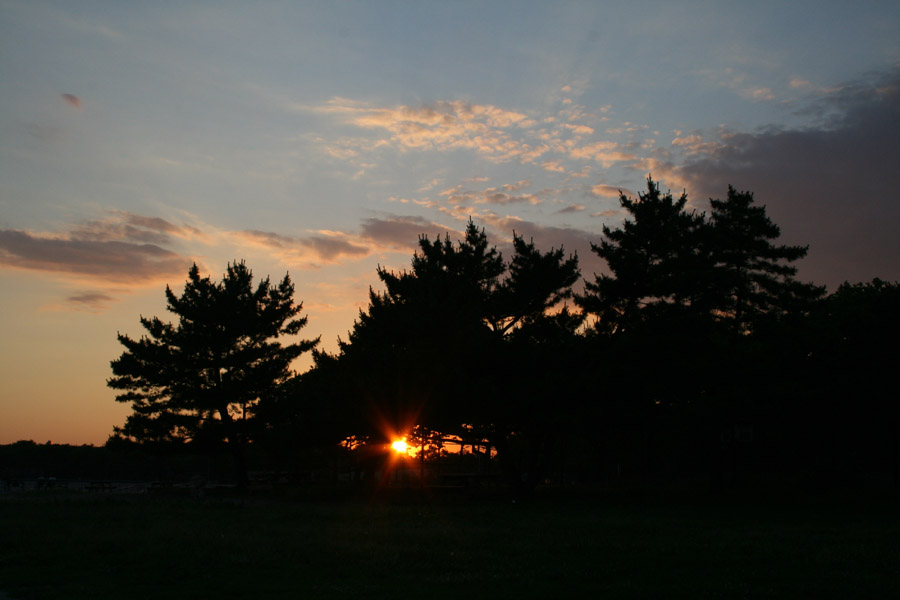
pixel 321 139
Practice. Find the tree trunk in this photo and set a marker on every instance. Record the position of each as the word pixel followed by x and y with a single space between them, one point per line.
pixel 236 446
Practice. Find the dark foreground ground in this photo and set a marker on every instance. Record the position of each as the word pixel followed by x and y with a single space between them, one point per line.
pixel 588 543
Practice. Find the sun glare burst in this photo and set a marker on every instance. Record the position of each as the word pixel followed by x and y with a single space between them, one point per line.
pixel 400 446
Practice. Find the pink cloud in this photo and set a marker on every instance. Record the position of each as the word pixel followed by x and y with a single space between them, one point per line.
pixel 326 246
pixel 606 191
pixel 110 261
pixel 519 185
pixel 90 301
pixel 400 232
pixel 72 100
pixel 604 152
pixel 125 226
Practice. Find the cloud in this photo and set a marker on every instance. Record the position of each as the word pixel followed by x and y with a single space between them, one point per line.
pixel 573 240
pixel 429 185
pixel 579 129
pixel 389 233
pixel 611 213
pixel 401 232
pixel 519 185
pixel 72 100
pixel 332 245
pixel 606 191
pixel 827 186
pixel 604 152
pixel 324 246
pixel 124 226
pixel 122 248
pixel 695 144
pixel 267 238
pixel 496 134
pixel 738 82
pixel 439 126
pixel 460 196
pixel 112 261
pixel 493 132
pixel 572 208
pixel 544 235
pixel 584 171
pixel 90 301
pixel 760 93
pixel 492 197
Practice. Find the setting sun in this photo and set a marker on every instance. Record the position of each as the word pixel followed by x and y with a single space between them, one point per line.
pixel 400 446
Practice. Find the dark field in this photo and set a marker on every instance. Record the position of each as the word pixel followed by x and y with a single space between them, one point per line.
pixel 553 545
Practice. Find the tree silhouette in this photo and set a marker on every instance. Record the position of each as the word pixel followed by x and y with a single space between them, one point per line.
pixel 689 314
pixel 853 358
pixel 654 259
pixel 201 379
pixel 753 278
pixel 666 262
pixel 434 349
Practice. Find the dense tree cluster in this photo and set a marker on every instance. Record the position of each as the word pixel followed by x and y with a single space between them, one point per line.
pixel 444 345
pixel 667 262
pixel 696 352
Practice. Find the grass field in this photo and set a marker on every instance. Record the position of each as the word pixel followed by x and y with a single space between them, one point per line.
pixel 583 545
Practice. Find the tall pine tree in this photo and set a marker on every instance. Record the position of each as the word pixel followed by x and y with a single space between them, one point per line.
pixel 201 379
pixel 655 261
pixel 753 277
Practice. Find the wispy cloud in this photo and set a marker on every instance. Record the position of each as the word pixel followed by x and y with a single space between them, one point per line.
pixel 460 196
pixel 125 226
pixel 311 251
pixel 741 84
pixel 496 134
pixel 694 143
pixel 554 166
pixel 438 126
pixel 609 213
pixel 604 152
pixel 519 185
pixel 606 191
pixel 112 261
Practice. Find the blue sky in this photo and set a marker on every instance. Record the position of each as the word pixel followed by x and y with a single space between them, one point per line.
pixel 322 138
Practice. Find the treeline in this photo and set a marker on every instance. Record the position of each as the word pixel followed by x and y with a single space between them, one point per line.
pixel 52 465
pixel 697 355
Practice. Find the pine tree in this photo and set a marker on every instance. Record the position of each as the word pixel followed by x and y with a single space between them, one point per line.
pixel 655 260
pixel 201 379
pixel 753 277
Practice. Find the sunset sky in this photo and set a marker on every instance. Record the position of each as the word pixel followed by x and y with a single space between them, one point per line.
pixel 321 138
